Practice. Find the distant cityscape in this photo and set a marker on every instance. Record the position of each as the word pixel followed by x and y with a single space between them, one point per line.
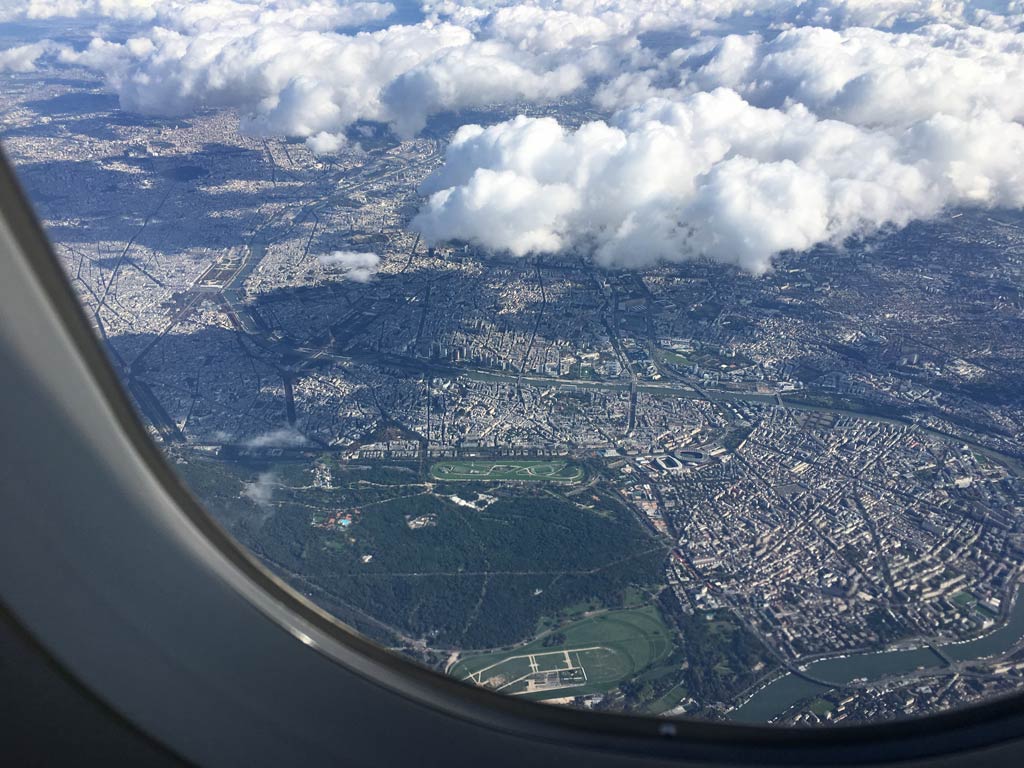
pixel 818 470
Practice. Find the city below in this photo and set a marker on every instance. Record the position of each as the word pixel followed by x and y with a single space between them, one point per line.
pixel 685 490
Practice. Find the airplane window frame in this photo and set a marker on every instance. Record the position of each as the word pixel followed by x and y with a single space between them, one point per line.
pixel 532 725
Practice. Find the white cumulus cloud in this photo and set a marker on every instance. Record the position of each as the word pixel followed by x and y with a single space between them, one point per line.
pixel 290 68
pixel 194 14
pixel 284 437
pixel 325 143
pixel 23 58
pixel 872 77
pixel 357 266
pixel 296 81
pixel 732 128
pixel 261 490
pixel 710 175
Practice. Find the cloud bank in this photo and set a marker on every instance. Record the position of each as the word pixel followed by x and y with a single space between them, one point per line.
pixel 739 146
pixel 860 75
pixel 733 129
pixel 711 175
pixel 297 68
pixel 197 14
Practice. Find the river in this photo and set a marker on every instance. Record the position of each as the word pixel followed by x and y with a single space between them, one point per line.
pixel 783 692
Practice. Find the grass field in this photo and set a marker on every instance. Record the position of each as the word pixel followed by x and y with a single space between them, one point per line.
pixel 964 600
pixel 507 469
pixel 599 652
pixel 672 357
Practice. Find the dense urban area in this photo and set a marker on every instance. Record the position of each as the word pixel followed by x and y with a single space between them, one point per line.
pixel 794 497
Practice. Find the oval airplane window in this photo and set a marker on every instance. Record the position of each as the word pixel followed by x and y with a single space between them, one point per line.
pixel 627 358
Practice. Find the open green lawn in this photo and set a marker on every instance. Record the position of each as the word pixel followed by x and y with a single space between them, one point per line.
pixel 821 707
pixel 669 356
pixel 610 648
pixel 964 599
pixel 668 700
pixel 507 469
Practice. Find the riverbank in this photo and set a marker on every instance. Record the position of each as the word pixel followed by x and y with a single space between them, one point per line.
pixel 777 696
